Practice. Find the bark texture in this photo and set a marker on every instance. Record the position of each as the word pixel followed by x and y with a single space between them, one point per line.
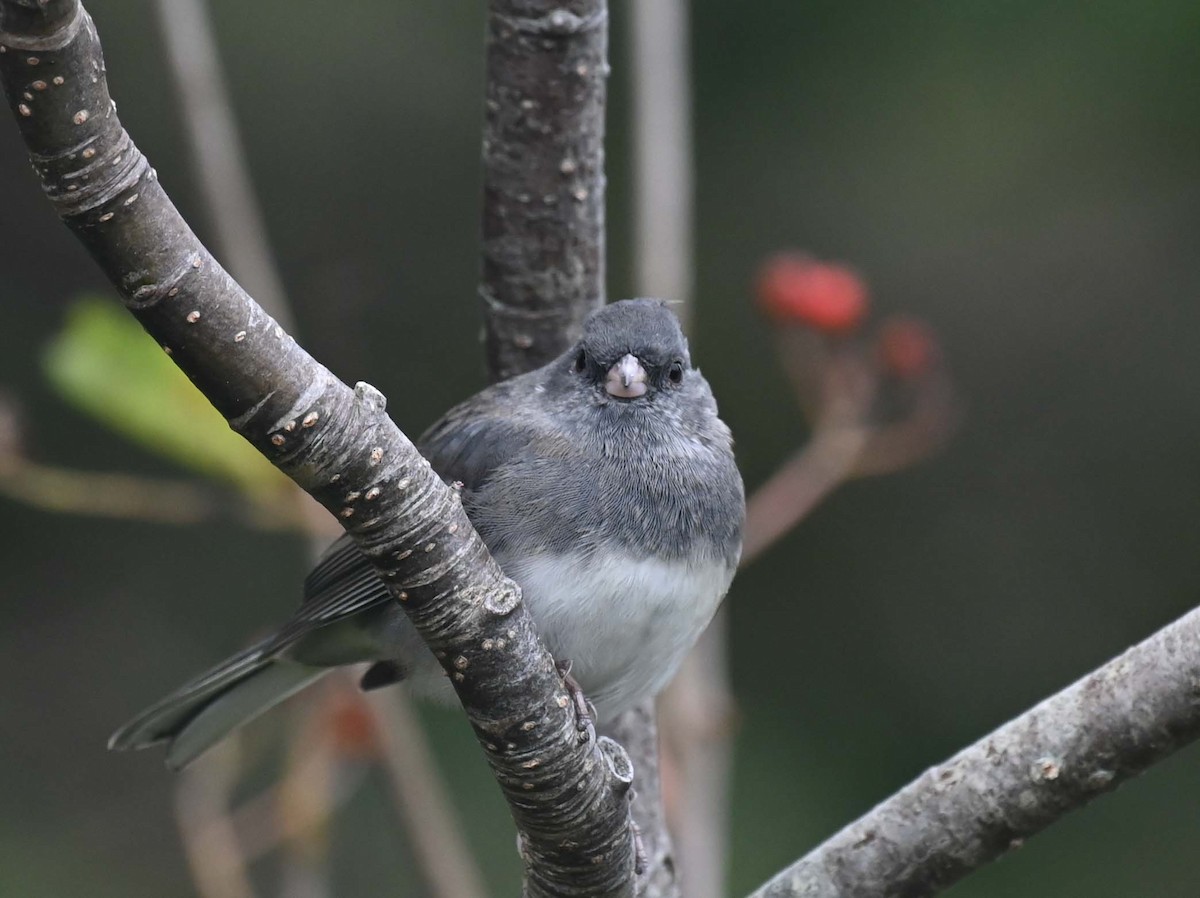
pixel 544 257
pixel 543 180
pixel 637 730
pixel 1085 741
pixel 569 797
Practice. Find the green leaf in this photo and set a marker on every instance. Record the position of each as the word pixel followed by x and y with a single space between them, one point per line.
pixel 103 363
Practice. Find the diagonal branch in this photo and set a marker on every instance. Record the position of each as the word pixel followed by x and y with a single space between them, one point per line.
pixel 569 799
pixel 1088 739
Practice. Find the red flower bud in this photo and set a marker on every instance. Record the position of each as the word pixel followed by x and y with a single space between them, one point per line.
pixel 907 348
pixel 824 296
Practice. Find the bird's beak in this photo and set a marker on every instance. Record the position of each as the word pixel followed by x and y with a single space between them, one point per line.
pixel 626 379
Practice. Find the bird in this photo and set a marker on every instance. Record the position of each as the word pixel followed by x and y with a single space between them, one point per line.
pixel 604 484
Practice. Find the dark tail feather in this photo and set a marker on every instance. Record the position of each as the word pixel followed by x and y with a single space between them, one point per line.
pixel 202 712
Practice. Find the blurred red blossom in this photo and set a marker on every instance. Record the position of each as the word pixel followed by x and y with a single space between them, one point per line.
pixel 353 728
pixel 906 347
pixel 825 296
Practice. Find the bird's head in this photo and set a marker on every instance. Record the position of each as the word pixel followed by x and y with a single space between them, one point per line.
pixel 632 351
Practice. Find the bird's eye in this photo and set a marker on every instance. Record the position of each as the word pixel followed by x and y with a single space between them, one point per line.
pixel 676 372
pixel 580 362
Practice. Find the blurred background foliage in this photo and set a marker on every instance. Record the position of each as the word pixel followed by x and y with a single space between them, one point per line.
pixel 1025 176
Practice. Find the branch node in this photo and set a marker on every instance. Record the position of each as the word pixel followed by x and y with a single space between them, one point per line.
pixel 370 396
pixel 55 39
pixel 618 763
pixel 148 295
pixel 559 23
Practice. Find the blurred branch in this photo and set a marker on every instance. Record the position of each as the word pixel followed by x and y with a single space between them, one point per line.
pixel 543 177
pixel 137 497
pixel 134 497
pixel 799 485
pixel 106 494
pixel 437 839
pixel 1088 739
pixel 336 443
pixel 697 713
pixel 637 730
pixel 201 810
pixel 261 826
pixel 218 157
pixel 663 266
pixel 307 792
pixel 867 420
pixel 662 152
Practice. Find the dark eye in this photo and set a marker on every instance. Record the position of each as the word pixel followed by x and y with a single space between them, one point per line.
pixel 580 362
pixel 676 372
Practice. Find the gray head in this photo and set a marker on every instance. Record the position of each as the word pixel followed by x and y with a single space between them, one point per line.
pixel 632 351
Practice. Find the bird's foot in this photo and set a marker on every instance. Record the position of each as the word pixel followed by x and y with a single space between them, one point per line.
pixel 640 861
pixel 585 712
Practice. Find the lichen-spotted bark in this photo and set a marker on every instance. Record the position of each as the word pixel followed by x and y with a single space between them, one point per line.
pixel 543 181
pixel 569 797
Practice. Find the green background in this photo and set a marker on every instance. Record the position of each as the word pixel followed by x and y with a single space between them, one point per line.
pixel 1024 175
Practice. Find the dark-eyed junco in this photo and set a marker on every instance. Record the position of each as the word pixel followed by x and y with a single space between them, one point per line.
pixel 603 483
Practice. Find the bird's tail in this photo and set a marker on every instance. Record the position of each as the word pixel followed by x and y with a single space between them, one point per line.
pixel 202 712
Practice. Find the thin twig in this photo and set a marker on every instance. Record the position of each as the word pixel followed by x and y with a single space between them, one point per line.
pixel 106 494
pixel 697 713
pixel 202 812
pixel 306 792
pixel 663 248
pixel 262 827
pixel 788 496
pixel 437 840
pixel 637 730
pixel 138 498
pixel 664 267
pixel 218 157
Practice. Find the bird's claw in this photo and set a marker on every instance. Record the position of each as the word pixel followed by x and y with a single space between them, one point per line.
pixel 585 711
pixel 640 861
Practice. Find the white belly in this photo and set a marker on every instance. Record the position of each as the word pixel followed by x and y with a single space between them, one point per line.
pixel 624 624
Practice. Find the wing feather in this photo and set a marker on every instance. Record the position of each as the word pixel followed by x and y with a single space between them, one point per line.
pixel 467 445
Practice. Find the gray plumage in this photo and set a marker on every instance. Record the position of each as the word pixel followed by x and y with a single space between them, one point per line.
pixel 603 483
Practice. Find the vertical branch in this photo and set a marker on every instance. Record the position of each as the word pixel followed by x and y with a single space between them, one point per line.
pixel 637 730
pixel 543 178
pixel 698 704
pixel 662 153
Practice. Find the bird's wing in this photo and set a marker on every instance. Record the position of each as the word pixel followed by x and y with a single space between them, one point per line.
pixel 466 445
pixel 475 438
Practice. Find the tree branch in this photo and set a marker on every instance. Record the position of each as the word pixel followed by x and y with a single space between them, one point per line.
pixel 637 730
pixel 569 799
pixel 543 178
pixel 1088 739
pixel 544 255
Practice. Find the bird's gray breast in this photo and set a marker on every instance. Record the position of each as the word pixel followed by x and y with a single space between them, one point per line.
pixel 670 500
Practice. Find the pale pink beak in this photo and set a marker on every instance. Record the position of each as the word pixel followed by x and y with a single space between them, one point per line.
pixel 626 379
